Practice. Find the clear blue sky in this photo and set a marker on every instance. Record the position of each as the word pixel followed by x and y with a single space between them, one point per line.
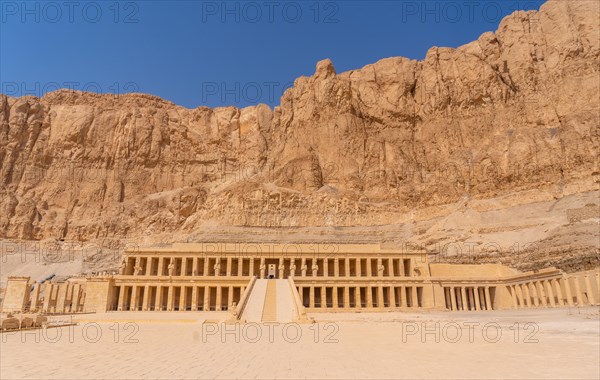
pixel 218 53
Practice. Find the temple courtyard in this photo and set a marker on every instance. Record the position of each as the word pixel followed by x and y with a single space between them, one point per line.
pixel 523 343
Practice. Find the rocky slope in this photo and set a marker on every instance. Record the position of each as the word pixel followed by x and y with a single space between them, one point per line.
pixel 512 117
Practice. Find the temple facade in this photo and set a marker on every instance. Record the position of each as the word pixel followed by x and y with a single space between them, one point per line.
pixel 320 277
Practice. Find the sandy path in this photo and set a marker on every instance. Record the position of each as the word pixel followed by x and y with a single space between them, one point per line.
pixel 563 346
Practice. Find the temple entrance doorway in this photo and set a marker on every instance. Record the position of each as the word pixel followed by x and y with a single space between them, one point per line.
pixel 272 271
pixel 272 268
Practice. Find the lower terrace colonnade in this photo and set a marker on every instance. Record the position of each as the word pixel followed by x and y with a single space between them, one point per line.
pixel 174 297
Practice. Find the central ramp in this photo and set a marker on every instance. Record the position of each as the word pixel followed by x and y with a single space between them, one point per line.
pixel 270 301
pixel 254 307
pixel 270 309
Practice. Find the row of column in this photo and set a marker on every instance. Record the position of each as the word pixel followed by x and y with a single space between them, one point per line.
pixel 349 297
pixel 171 297
pixel 469 297
pixel 211 266
pixel 58 297
pixel 553 292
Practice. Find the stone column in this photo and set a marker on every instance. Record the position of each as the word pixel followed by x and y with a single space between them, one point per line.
pixel 158 302
pixel 68 295
pixel 541 293
pixel 325 267
pixel 463 299
pixel 369 297
pixel 240 268
pixel 156 299
pixel 194 298
pixel 414 296
pixel 358 268
pixel 525 302
pixel 133 303
pixel 469 298
pixel 121 298
pixel 251 267
pixel 60 299
pixel 69 303
pixel 207 298
pixel 347 267
pixel 559 294
pixel 401 267
pixel 527 294
pixel 369 269
pixel 262 267
pixel 170 300
pixel 519 294
pixel 146 298
pixel 281 268
pixel 403 301
pixel 194 266
pixel 513 296
pixel 311 297
pixel 76 297
pixel 303 267
pixel 534 293
pixel 346 297
pixel 230 296
pixel 161 263
pixel 568 294
pixel 380 297
pixel 182 294
pixel 478 305
pixel 47 296
pixel 207 271
pixel 336 267
pixel 229 263
pixel 548 288
pixel 452 297
pixel 183 266
pixel 219 298
pixel 217 267
pixel 35 296
pixel 335 297
pixel 358 298
pixel 488 299
pixel 589 290
pixel 580 300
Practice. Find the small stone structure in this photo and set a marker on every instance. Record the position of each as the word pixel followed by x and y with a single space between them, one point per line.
pixel 55 296
pixel 352 277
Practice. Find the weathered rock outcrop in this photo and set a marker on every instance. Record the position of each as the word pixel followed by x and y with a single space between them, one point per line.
pixel 391 143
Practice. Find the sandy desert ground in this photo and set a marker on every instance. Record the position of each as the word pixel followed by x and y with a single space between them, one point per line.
pixel 527 344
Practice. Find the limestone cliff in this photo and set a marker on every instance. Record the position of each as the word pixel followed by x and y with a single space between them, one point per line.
pixel 512 117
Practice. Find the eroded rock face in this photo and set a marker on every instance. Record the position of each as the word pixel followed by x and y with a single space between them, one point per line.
pixel 515 110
